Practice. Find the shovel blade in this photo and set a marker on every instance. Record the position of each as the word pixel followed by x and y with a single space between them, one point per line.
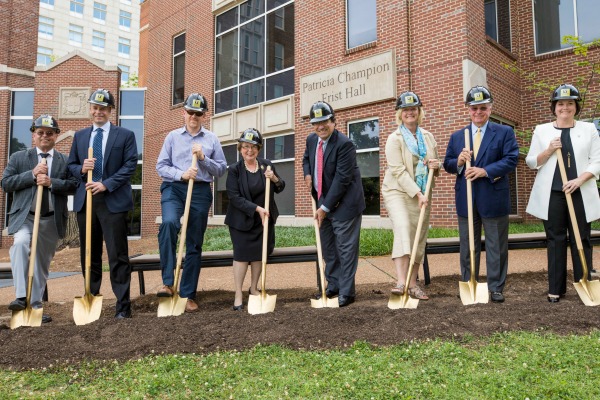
pixel 589 292
pixel 259 304
pixel 324 302
pixel 27 317
pixel 87 309
pixel 171 306
pixel 473 293
pixel 398 301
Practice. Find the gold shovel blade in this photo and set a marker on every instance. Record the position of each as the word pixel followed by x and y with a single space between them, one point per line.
pixel 87 309
pixel 171 306
pixel 261 304
pixel 325 302
pixel 27 317
pixel 473 293
pixel 398 301
pixel 588 291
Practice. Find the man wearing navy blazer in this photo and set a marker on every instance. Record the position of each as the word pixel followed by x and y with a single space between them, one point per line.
pixel 337 187
pixel 113 164
pixel 493 154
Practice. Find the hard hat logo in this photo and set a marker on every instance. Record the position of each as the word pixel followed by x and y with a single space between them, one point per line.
pixel 196 103
pixel 409 100
pixel 99 97
pixel 249 135
pixel 565 92
pixel 318 113
pixel 478 96
pixel 47 122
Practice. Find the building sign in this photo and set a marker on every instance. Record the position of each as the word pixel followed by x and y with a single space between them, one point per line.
pixel 364 81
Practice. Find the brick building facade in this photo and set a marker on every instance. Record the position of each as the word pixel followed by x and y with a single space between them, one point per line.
pixel 439 50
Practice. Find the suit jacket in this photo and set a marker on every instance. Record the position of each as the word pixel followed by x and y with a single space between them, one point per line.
pixel 241 209
pixel 342 185
pixel 119 164
pixel 400 174
pixel 586 148
pixel 18 179
pixel 498 155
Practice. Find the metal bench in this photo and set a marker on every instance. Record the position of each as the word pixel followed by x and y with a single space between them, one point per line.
pixel 282 255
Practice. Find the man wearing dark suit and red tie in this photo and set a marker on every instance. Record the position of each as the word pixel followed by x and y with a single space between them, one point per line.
pixel 493 155
pixel 331 172
pixel 113 164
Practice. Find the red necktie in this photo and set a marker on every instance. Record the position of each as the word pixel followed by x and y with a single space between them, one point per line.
pixel 320 169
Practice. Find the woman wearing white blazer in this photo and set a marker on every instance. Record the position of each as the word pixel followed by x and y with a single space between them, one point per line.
pixel 580 146
pixel 410 151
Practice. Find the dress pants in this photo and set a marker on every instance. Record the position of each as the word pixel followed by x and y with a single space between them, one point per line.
pixel 340 242
pixel 19 257
pixel 496 249
pixel 112 229
pixel 172 203
pixel 556 227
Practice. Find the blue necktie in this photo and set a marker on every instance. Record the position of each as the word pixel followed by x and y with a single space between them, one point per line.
pixel 97 174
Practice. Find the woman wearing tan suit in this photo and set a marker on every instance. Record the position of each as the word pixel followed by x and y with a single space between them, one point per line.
pixel 410 151
pixel 580 149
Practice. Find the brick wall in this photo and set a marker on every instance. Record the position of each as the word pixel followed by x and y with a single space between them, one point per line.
pixel 18 40
pixel 144 43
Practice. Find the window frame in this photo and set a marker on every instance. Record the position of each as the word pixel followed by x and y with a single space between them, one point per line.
pixel 75 32
pixel 50 25
pixel 174 57
pixel 124 42
pixel 347 22
pixel 369 150
pixel 99 38
pixel 101 11
pixel 125 18
pixel 74 5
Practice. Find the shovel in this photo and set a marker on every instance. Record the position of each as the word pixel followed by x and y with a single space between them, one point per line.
pixel 87 309
pixel 471 292
pixel 175 305
pixel 404 300
pixel 263 303
pixel 324 301
pixel 589 291
pixel 31 316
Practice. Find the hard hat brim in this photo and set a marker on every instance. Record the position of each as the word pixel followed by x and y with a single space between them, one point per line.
pixel 100 103
pixel 195 109
pixel 484 101
pixel 319 119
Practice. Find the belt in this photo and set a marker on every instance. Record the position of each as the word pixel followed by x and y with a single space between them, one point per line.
pixel 48 214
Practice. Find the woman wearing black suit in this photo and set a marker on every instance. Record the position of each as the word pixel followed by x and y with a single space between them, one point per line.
pixel 245 213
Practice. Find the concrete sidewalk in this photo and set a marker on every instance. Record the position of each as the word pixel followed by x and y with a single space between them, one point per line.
pixel 370 270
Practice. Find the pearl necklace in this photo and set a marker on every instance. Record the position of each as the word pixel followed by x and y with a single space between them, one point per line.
pixel 248 169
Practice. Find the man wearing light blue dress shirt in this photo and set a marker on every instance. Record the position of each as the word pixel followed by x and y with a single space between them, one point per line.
pixel 174 167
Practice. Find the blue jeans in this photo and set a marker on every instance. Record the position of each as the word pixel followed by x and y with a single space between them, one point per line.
pixel 172 203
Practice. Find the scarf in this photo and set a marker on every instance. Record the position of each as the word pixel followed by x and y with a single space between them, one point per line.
pixel 417 148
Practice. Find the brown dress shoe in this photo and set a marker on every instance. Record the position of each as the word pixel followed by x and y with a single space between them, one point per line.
pixel 191 306
pixel 165 291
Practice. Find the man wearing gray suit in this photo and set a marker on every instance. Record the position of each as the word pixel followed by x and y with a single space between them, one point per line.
pixel 25 171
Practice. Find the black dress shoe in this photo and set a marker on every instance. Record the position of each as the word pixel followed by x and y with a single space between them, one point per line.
pixel 238 308
pixel 497 297
pixel 46 318
pixel 123 314
pixel 344 301
pixel 553 299
pixel 18 304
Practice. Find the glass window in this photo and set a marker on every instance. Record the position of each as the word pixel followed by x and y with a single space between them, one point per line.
pixel 75 34
pixel 125 19
pixel 44 56
pixel 124 47
pixel 98 39
pixel 46 27
pixel 512 176
pixel 179 69
pixel 254 50
pixel 497 21
pixel 132 102
pixel 100 11
pixel 48 2
pixel 124 73
pixel 555 19
pixel 280 150
pixel 365 136
pixel 221 199
pixel 77 6
pixel 361 22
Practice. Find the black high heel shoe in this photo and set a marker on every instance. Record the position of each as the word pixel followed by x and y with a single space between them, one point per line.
pixel 553 299
pixel 238 308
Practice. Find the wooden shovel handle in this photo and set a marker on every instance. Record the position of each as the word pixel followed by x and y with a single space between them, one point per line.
pixel 265 234
pixel 88 228
pixel 469 196
pixel 34 237
pixel 320 260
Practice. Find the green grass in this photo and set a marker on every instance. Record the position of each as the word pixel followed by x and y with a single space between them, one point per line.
pixel 512 365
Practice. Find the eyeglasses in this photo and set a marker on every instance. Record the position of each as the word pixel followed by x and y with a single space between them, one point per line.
pixel 249 147
pixel 196 113
pixel 46 133
pixel 480 108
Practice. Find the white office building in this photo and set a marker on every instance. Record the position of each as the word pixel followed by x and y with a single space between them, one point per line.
pixel 107 30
